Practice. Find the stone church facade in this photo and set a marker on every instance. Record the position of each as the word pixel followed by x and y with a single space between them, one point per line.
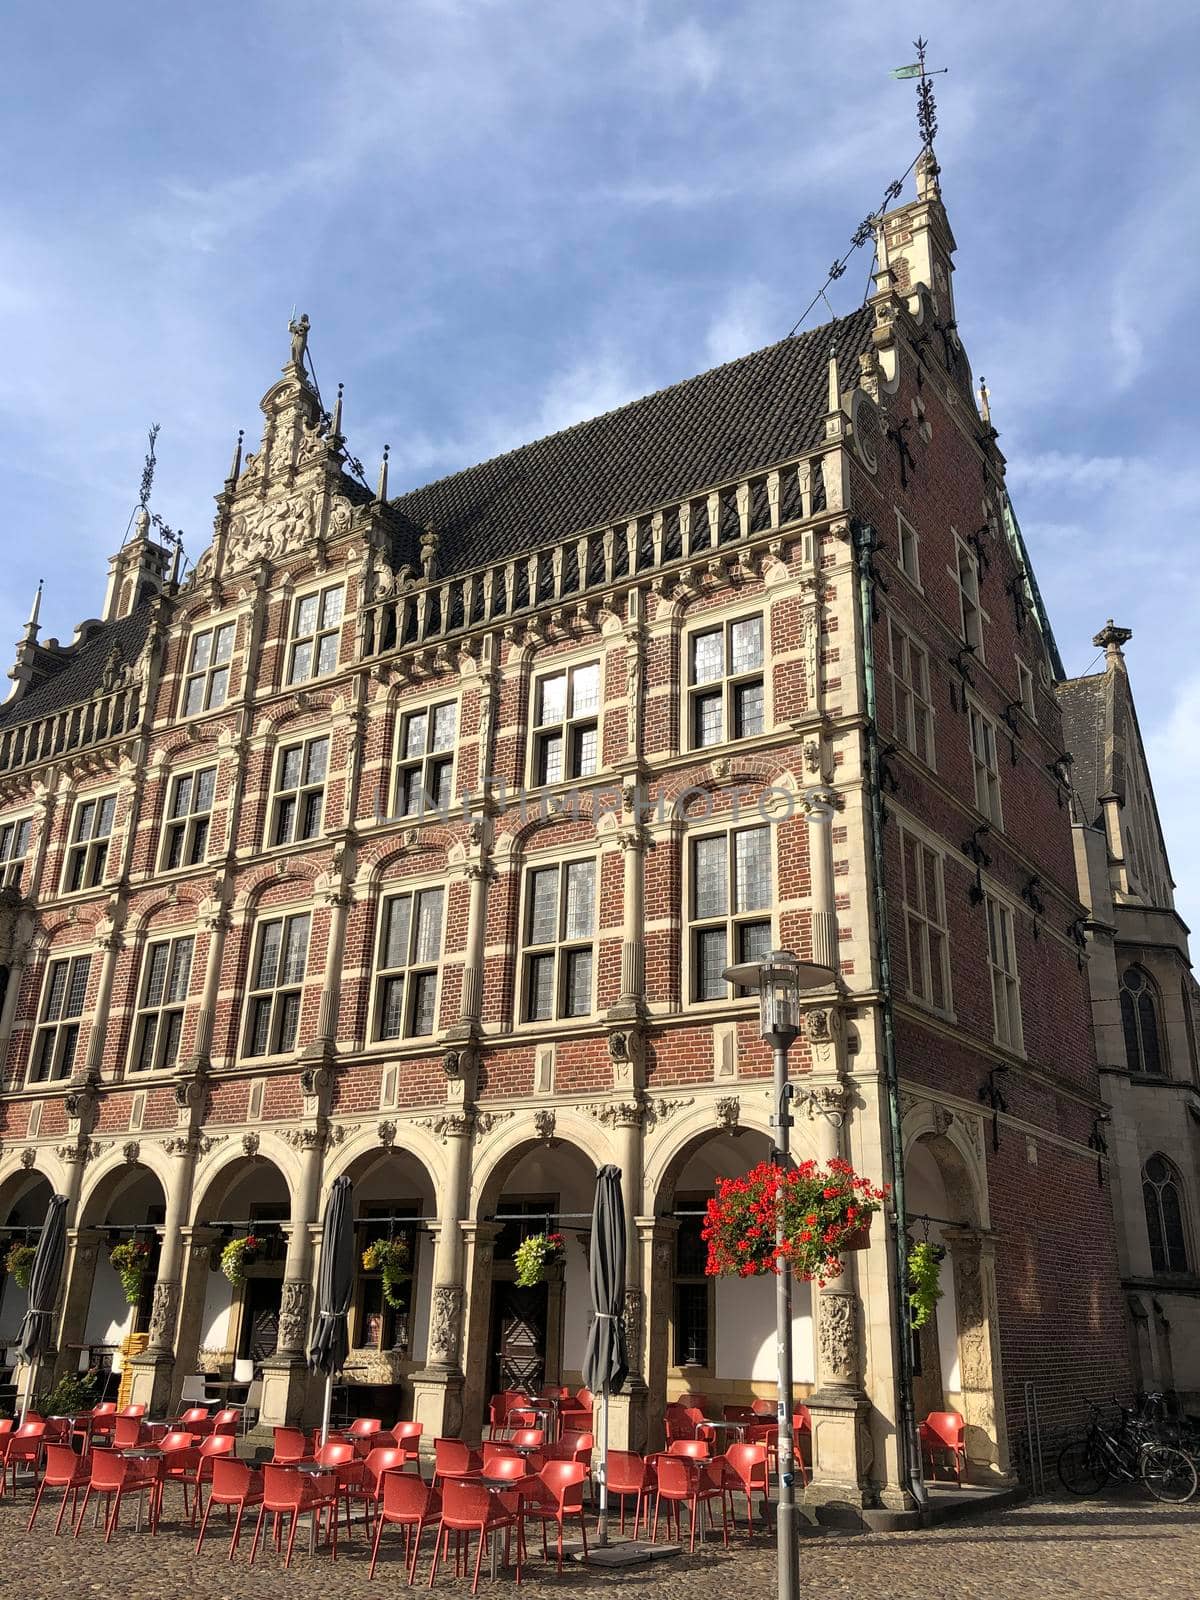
pixel 407 839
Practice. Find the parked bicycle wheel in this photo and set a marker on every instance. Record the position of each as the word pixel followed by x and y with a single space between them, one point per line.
pixel 1167 1473
pixel 1082 1469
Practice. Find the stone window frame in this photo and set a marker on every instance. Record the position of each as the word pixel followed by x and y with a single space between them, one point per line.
pixel 733 921
pixel 1179 1248
pixel 209 628
pixel 928 923
pixel 563 945
pixel 1026 692
pixel 1007 1021
pixel 282 989
pixel 302 793
pixel 723 620
pixel 571 726
pixel 316 637
pixel 76 969
pixel 186 825
pixel 908 695
pixel 413 967
pixel 165 1013
pixel 971 615
pixel 15 830
pixel 908 551
pixel 430 759
pixel 985 763
pixel 93 848
pixel 1134 1003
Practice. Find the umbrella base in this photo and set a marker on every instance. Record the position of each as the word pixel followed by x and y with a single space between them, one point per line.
pixel 629 1553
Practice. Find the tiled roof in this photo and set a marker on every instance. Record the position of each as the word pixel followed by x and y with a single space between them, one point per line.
pixel 81 676
pixel 1084 703
pixel 748 414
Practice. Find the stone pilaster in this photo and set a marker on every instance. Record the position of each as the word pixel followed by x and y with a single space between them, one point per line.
pixel 438 1397
pixel 819 814
pixel 972 1260
pixel 154 1369
pixel 478 873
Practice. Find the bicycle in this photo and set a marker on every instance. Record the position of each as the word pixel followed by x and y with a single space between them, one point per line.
pixel 1130 1453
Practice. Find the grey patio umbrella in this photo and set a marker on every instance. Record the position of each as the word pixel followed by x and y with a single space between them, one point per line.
pixel 331 1339
pixel 36 1337
pixel 606 1361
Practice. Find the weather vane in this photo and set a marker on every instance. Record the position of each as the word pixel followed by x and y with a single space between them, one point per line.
pixel 148 469
pixel 926 105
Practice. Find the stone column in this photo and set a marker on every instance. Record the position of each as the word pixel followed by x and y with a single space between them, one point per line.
pixel 657 1235
pixel 631 1003
pixel 217 922
pixel 627 1410
pixel 480 1255
pixel 154 1369
pixel 196 1262
pixel 331 987
pixel 438 1387
pixel 819 816
pixel 478 873
pixel 110 945
pixel 285 1374
pixel 972 1260
pixel 83 1248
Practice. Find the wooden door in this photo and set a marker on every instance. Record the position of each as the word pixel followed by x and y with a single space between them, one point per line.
pixel 260 1318
pixel 518 1337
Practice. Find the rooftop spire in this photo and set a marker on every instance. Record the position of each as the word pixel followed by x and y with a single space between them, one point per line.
pixel 1110 639
pixel 236 465
pixel 35 611
pixel 985 400
pixel 381 492
pixel 335 422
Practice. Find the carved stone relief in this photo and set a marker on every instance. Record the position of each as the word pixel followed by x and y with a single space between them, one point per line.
pixel 445 1324
pixel 837 1337
pixel 162 1315
pixel 293 1315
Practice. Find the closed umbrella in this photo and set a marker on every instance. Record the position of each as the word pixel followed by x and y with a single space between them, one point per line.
pixel 331 1340
pixel 36 1338
pixel 605 1361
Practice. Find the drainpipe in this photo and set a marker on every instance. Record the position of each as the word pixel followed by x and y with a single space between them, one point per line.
pixel 865 542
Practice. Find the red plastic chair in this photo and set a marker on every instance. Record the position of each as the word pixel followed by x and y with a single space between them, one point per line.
pixel 342 1455
pixel 559 1496
pixel 684 1481
pixel 944 1431
pixel 114 1476
pixel 678 1424
pixel 99 1424
pixel 577 1418
pixel 453 1459
pixel 135 1409
pixel 469 1508
pixel 746 1473
pixel 234 1483
pixel 695 1449
pixel 365 1432
pixel 700 1424
pixel 66 1471
pixel 196 1420
pixel 213 1449
pixel 493 1449
pixel 227 1421
pixel 290 1493
pixel 180 1457
pixel 379 1462
pixel 411 1504
pixel 21 1448
pixel 630 1474
pixel 128 1433
pixel 739 1414
pixel 529 1438
pixel 291 1447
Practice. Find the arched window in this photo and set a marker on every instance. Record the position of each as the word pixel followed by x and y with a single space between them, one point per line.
pixel 1140 1022
pixel 1161 1191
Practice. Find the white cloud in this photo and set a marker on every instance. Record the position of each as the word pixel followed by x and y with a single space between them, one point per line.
pixel 750 318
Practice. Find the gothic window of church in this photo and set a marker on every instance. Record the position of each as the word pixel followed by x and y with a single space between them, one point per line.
pixel 691 1309
pixel 912 705
pixel 558 944
pixel 57 1036
pixel 189 816
pixel 730 895
pixel 166 973
pixel 206 681
pixel 1006 988
pixel 276 988
pixel 425 759
pixel 299 799
pixel 14 847
pixel 87 853
pixel 1141 1023
pixel 410 949
pixel 908 551
pixel 316 630
pixel 566 724
pixel 986 765
pixel 965 573
pixel 1189 1024
pixel 926 935
pixel 726 683
pixel 1162 1194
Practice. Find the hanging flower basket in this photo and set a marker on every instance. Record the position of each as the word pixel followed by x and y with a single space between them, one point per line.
pixel 534 1256
pixel 131 1262
pixel 237 1255
pixel 924 1281
pixel 19 1263
pixel 389 1257
pixel 824 1211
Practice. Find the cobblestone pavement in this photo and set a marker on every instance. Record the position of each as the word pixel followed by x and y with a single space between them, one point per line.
pixel 1112 1549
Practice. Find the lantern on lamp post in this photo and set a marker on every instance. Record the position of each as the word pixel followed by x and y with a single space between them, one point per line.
pixel 779 980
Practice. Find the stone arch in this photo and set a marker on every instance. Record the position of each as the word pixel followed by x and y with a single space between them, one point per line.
pixel 668 1155
pixel 298 871
pixel 116 1171
pixel 405 1139
pixel 17 1167
pixel 187 903
pixel 218 1171
pixel 24 1196
pixel 488 1177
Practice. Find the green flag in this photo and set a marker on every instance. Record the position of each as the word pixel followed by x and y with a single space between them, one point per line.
pixel 907 72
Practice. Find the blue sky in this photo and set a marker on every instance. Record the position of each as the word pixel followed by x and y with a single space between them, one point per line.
pixel 505 215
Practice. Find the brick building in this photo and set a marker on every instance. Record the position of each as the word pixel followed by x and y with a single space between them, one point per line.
pixel 763 655
pixel 1144 1015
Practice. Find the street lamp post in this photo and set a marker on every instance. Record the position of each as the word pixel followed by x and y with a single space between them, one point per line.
pixel 780 979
